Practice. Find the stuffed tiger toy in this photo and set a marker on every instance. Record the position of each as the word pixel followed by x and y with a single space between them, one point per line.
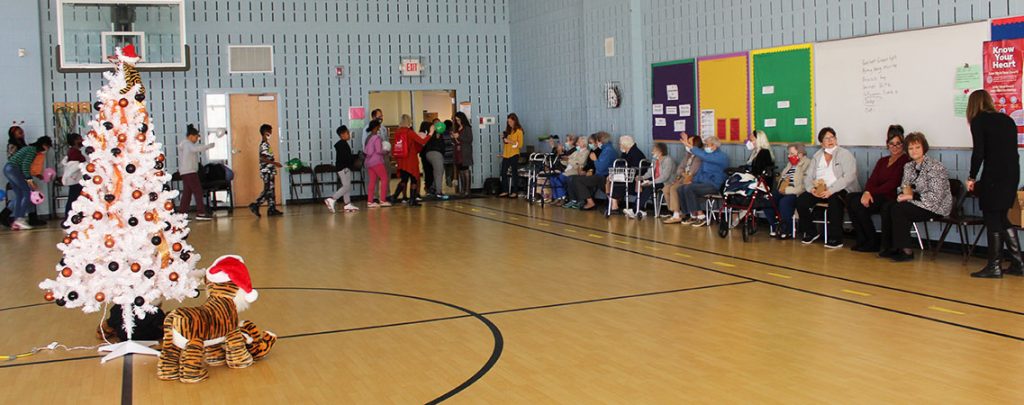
pixel 127 58
pixel 211 334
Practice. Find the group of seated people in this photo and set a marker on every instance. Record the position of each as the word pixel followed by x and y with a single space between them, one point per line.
pixel 905 187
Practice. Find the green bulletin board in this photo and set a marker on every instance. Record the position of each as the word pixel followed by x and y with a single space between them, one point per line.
pixel 782 91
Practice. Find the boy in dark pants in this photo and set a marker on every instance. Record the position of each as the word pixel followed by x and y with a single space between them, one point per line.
pixel 268 172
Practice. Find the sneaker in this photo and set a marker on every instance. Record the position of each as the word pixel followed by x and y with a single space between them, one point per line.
pixel 834 244
pixel 330 203
pixel 441 196
pixel 21 223
pixel 628 212
pixel 353 208
pixel 700 221
pixel 370 205
pixel 809 239
pixel 641 214
pixel 385 204
pixel 203 217
pixel 673 220
pixel 273 212
pixel 255 209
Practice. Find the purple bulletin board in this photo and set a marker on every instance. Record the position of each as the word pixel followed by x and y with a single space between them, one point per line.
pixel 673 99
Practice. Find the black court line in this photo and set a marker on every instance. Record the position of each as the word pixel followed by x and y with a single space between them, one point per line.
pixel 778 266
pixel 49 361
pixel 126 381
pixel 968 327
pixel 24 306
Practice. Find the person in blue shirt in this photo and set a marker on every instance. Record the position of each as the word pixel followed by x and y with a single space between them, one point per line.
pixel 581 195
pixel 708 180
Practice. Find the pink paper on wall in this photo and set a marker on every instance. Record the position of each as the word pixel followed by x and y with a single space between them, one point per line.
pixel 356 113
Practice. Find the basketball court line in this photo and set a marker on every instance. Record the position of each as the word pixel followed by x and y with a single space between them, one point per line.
pixel 725 255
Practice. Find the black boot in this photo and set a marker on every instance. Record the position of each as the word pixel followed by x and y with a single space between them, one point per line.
pixel 413 196
pixel 34 220
pixel 992 269
pixel 273 212
pixel 1013 253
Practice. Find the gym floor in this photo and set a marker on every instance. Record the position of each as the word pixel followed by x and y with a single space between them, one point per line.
pixel 497 301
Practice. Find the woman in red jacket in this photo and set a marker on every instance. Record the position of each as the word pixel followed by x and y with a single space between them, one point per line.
pixel 406 152
pixel 879 191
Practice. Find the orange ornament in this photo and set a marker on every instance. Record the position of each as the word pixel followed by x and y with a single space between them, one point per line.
pixel 159 173
pixel 176 247
pixel 160 158
pixel 97 180
pixel 66 272
pixel 97 215
pixel 136 267
pixel 48 296
pixel 136 194
pixel 123 102
pixel 109 243
pixel 90 167
pixel 169 206
pixel 149 217
pixel 140 137
pixel 74 235
pixel 100 297
pixel 122 138
pixel 173 276
pixel 67 241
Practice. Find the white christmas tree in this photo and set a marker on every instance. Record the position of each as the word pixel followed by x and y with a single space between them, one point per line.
pixel 124 244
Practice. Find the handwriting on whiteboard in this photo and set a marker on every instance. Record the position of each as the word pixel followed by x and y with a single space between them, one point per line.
pixel 877 81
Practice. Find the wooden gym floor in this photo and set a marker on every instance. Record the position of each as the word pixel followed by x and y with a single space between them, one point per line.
pixel 496 301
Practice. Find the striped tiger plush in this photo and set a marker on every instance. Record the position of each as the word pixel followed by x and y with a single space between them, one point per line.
pixel 211 334
pixel 127 58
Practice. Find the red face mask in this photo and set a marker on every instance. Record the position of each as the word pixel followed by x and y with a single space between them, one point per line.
pixel 793 160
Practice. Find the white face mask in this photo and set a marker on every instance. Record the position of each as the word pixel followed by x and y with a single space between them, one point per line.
pixel 830 151
pixel 750 145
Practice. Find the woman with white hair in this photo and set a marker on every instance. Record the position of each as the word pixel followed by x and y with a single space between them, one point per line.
pixel 761 156
pixel 632 154
pixel 708 180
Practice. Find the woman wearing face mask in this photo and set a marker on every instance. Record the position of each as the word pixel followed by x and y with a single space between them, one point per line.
pixel 708 180
pixel 831 175
pixel 879 191
pixel 790 186
pixel 924 195
pixel 688 168
pixel 558 178
pixel 575 167
pixel 654 179
pixel 632 154
pixel 761 157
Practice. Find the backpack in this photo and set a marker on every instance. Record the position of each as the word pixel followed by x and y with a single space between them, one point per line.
pixel 72 172
pixel 358 161
pixel 401 147
pixel 36 170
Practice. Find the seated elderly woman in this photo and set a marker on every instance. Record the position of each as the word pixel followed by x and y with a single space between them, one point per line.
pixel 924 195
pixel 656 178
pixel 581 194
pixel 790 186
pixel 831 175
pixel 688 168
pixel 708 180
pixel 573 165
pixel 632 155
pixel 879 191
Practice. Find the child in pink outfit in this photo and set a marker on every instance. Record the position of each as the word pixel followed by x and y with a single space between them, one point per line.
pixel 374 163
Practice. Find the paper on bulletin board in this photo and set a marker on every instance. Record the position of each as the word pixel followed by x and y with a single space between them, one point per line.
pixel 673 92
pixel 768 90
pixel 658 109
pixel 770 123
pixel 466 107
pixel 660 122
pixel 671 110
pixel 1004 80
pixel 356 113
pixel 782 104
pixel 685 110
pixel 356 123
pixel 707 123
pixel 679 125
pixel 968 78
pixel 800 122
pixel 723 88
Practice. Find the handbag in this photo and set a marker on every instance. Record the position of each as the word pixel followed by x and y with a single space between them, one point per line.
pixel 401 148
pixel 72 172
pixel 36 170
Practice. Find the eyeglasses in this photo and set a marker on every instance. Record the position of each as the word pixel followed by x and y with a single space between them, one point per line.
pixel 895 144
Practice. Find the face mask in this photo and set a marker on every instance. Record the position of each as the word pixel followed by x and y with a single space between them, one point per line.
pixel 750 145
pixel 830 151
pixel 591 146
pixel 708 149
pixel 568 145
pixel 793 160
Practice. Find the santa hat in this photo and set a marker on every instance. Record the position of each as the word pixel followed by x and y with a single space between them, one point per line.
pixel 128 55
pixel 232 268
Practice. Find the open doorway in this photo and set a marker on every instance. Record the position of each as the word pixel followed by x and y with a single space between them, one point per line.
pixel 232 123
pixel 421 105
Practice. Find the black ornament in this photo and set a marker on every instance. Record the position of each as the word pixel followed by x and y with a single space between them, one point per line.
pixel 156 240
pixel 89 150
pixel 116 151
pixel 167 187
pixel 62 262
pixel 77 219
pixel 153 196
pixel 60 302
pixel 133 221
pixel 90 268
pixel 149 273
pixel 159 166
pixel 97 105
pixel 108 125
pixel 72 296
pixel 140 97
pixel 167 226
pixel 185 256
pixel 108 198
pixel 86 177
pixel 139 301
pixel 130 169
pixel 144 128
pixel 113 266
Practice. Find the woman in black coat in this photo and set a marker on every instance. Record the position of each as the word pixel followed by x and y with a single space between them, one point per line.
pixel 995 147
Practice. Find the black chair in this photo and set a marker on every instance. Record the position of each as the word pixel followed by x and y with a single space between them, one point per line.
pixel 962 221
pixel 326 175
pixel 213 178
pixel 296 182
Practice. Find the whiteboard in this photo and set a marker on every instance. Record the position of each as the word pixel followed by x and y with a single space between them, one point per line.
pixel 862 85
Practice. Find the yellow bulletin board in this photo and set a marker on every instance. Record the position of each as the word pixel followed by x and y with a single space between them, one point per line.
pixel 724 96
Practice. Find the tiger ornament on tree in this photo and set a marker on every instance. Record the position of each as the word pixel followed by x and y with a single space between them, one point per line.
pixel 211 334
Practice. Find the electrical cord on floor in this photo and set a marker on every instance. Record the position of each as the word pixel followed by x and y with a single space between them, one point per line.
pixel 54 346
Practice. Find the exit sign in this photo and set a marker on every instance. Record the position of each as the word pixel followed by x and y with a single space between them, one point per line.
pixel 412 67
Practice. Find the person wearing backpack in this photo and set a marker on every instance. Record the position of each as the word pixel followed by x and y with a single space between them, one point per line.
pixel 406 151
pixel 72 170
pixel 344 162
pixel 374 163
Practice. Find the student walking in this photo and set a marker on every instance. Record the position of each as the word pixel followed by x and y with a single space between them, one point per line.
pixel 268 172
pixel 343 163
pixel 374 163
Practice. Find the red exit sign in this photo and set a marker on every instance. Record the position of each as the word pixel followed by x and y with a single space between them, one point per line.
pixel 412 67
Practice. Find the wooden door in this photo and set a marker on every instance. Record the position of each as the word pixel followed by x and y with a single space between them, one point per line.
pixel 248 113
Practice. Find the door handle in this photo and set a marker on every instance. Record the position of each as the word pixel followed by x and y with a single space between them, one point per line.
pixel 236 151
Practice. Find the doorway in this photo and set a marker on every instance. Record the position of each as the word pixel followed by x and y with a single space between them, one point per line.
pixel 232 124
pixel 421 105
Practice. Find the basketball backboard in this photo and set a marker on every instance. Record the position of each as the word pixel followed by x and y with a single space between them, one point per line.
pixel 90 30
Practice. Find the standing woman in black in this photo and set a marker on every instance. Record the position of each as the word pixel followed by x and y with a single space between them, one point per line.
pixel 995 147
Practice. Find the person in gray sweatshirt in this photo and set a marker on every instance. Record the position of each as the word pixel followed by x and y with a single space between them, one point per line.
pixel 831 175
pixel 188 166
